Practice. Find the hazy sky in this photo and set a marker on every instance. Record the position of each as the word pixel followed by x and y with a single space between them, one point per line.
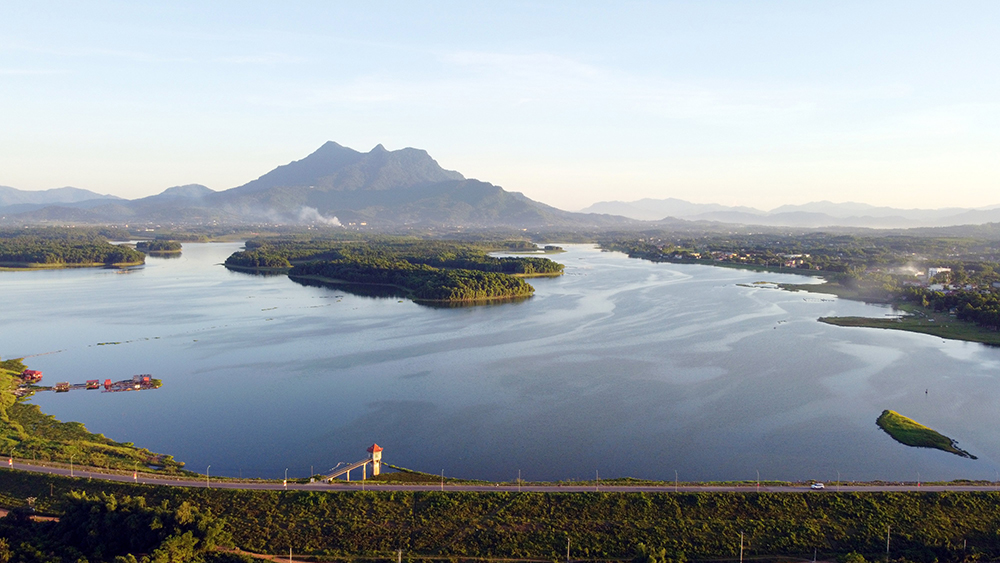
pixel 750 103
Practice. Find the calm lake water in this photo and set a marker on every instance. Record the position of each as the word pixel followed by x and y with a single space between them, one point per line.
pixel 621 366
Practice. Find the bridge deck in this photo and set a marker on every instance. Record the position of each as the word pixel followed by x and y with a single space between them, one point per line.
pixel 344 470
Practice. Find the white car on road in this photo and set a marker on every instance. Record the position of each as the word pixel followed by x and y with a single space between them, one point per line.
pixel 817 486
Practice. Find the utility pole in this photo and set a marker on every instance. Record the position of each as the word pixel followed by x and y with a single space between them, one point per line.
pixel 741 547
pixel 675 480
pixel 518 480
pixel 567 549
pixel 207 484
pixel 442 478
pixel 598 487
pixel 887 530
pixel 758 480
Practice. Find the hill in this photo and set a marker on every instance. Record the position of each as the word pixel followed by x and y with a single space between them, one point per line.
pixel 335 185
pixel 819 214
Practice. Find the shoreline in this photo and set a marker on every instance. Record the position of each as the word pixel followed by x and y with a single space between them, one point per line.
pixel 30 266
pixel 950 329
pixel 408 293
pixel 911 317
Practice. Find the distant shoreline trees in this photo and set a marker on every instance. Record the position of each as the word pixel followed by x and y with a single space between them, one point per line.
pixel 60 247
pixel 158 246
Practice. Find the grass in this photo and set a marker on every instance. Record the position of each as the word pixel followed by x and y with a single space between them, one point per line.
pixel 924 322
pixel 911 433
pixel 867 295
pixel 917 318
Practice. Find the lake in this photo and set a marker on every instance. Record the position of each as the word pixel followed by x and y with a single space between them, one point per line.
pixel 621 366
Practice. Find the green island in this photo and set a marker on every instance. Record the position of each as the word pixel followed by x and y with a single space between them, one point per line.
pixel 943 285
pixel 426 271
pixel 38 248
pixel 911 433
pixel 33 435
pixel 158 246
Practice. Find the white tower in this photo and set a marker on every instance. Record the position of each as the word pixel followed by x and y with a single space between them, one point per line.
pixel 376 458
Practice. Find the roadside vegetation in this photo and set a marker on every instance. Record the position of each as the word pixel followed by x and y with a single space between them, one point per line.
pixel 120 529
pixel 335 526
pixel 911 433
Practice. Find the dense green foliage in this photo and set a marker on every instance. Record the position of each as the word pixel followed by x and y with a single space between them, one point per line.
pixel 910 432
pixel 63 247
pixel 257 259
pixel 422 282
pixel 925 527
pixel 826 251
pixel 426 270
pixel 106 527
pixel 976 306
pixel 158 246
pixel 434 253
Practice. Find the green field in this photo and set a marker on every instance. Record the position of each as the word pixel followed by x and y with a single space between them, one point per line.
pixel 911 433
pixel 914 318
pixel 940 325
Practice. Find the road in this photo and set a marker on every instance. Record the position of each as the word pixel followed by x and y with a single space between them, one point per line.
pixel 148 479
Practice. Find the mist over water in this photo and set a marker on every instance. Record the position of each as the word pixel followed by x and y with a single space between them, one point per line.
pixel 620 366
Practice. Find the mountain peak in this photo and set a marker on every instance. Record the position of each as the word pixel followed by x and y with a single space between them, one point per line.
pixel 333 167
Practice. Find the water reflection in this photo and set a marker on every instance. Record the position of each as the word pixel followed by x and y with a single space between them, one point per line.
pixel 623 366
pixel 393 292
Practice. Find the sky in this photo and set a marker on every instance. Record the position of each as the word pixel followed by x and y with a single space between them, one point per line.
pixel 741 103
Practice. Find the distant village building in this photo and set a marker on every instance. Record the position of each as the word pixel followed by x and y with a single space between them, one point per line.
pixel 931 272
pixel 31 376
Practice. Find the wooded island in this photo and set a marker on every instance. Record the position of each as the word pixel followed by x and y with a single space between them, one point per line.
pixel 423 270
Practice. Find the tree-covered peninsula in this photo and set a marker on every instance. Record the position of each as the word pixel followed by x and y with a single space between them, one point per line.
pixel 424 270
pixel 419 281
pixel 55 248
pixel 158 246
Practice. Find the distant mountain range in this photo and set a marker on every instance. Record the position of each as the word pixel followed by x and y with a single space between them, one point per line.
pixel 392 190
pixel 333 185
pixel 810 215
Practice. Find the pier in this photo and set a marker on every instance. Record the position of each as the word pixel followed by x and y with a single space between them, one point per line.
pixel 374 458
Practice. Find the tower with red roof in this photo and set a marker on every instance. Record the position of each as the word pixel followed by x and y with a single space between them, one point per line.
pixel 376 458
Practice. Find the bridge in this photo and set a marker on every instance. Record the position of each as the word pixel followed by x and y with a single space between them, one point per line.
pixel 374 458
